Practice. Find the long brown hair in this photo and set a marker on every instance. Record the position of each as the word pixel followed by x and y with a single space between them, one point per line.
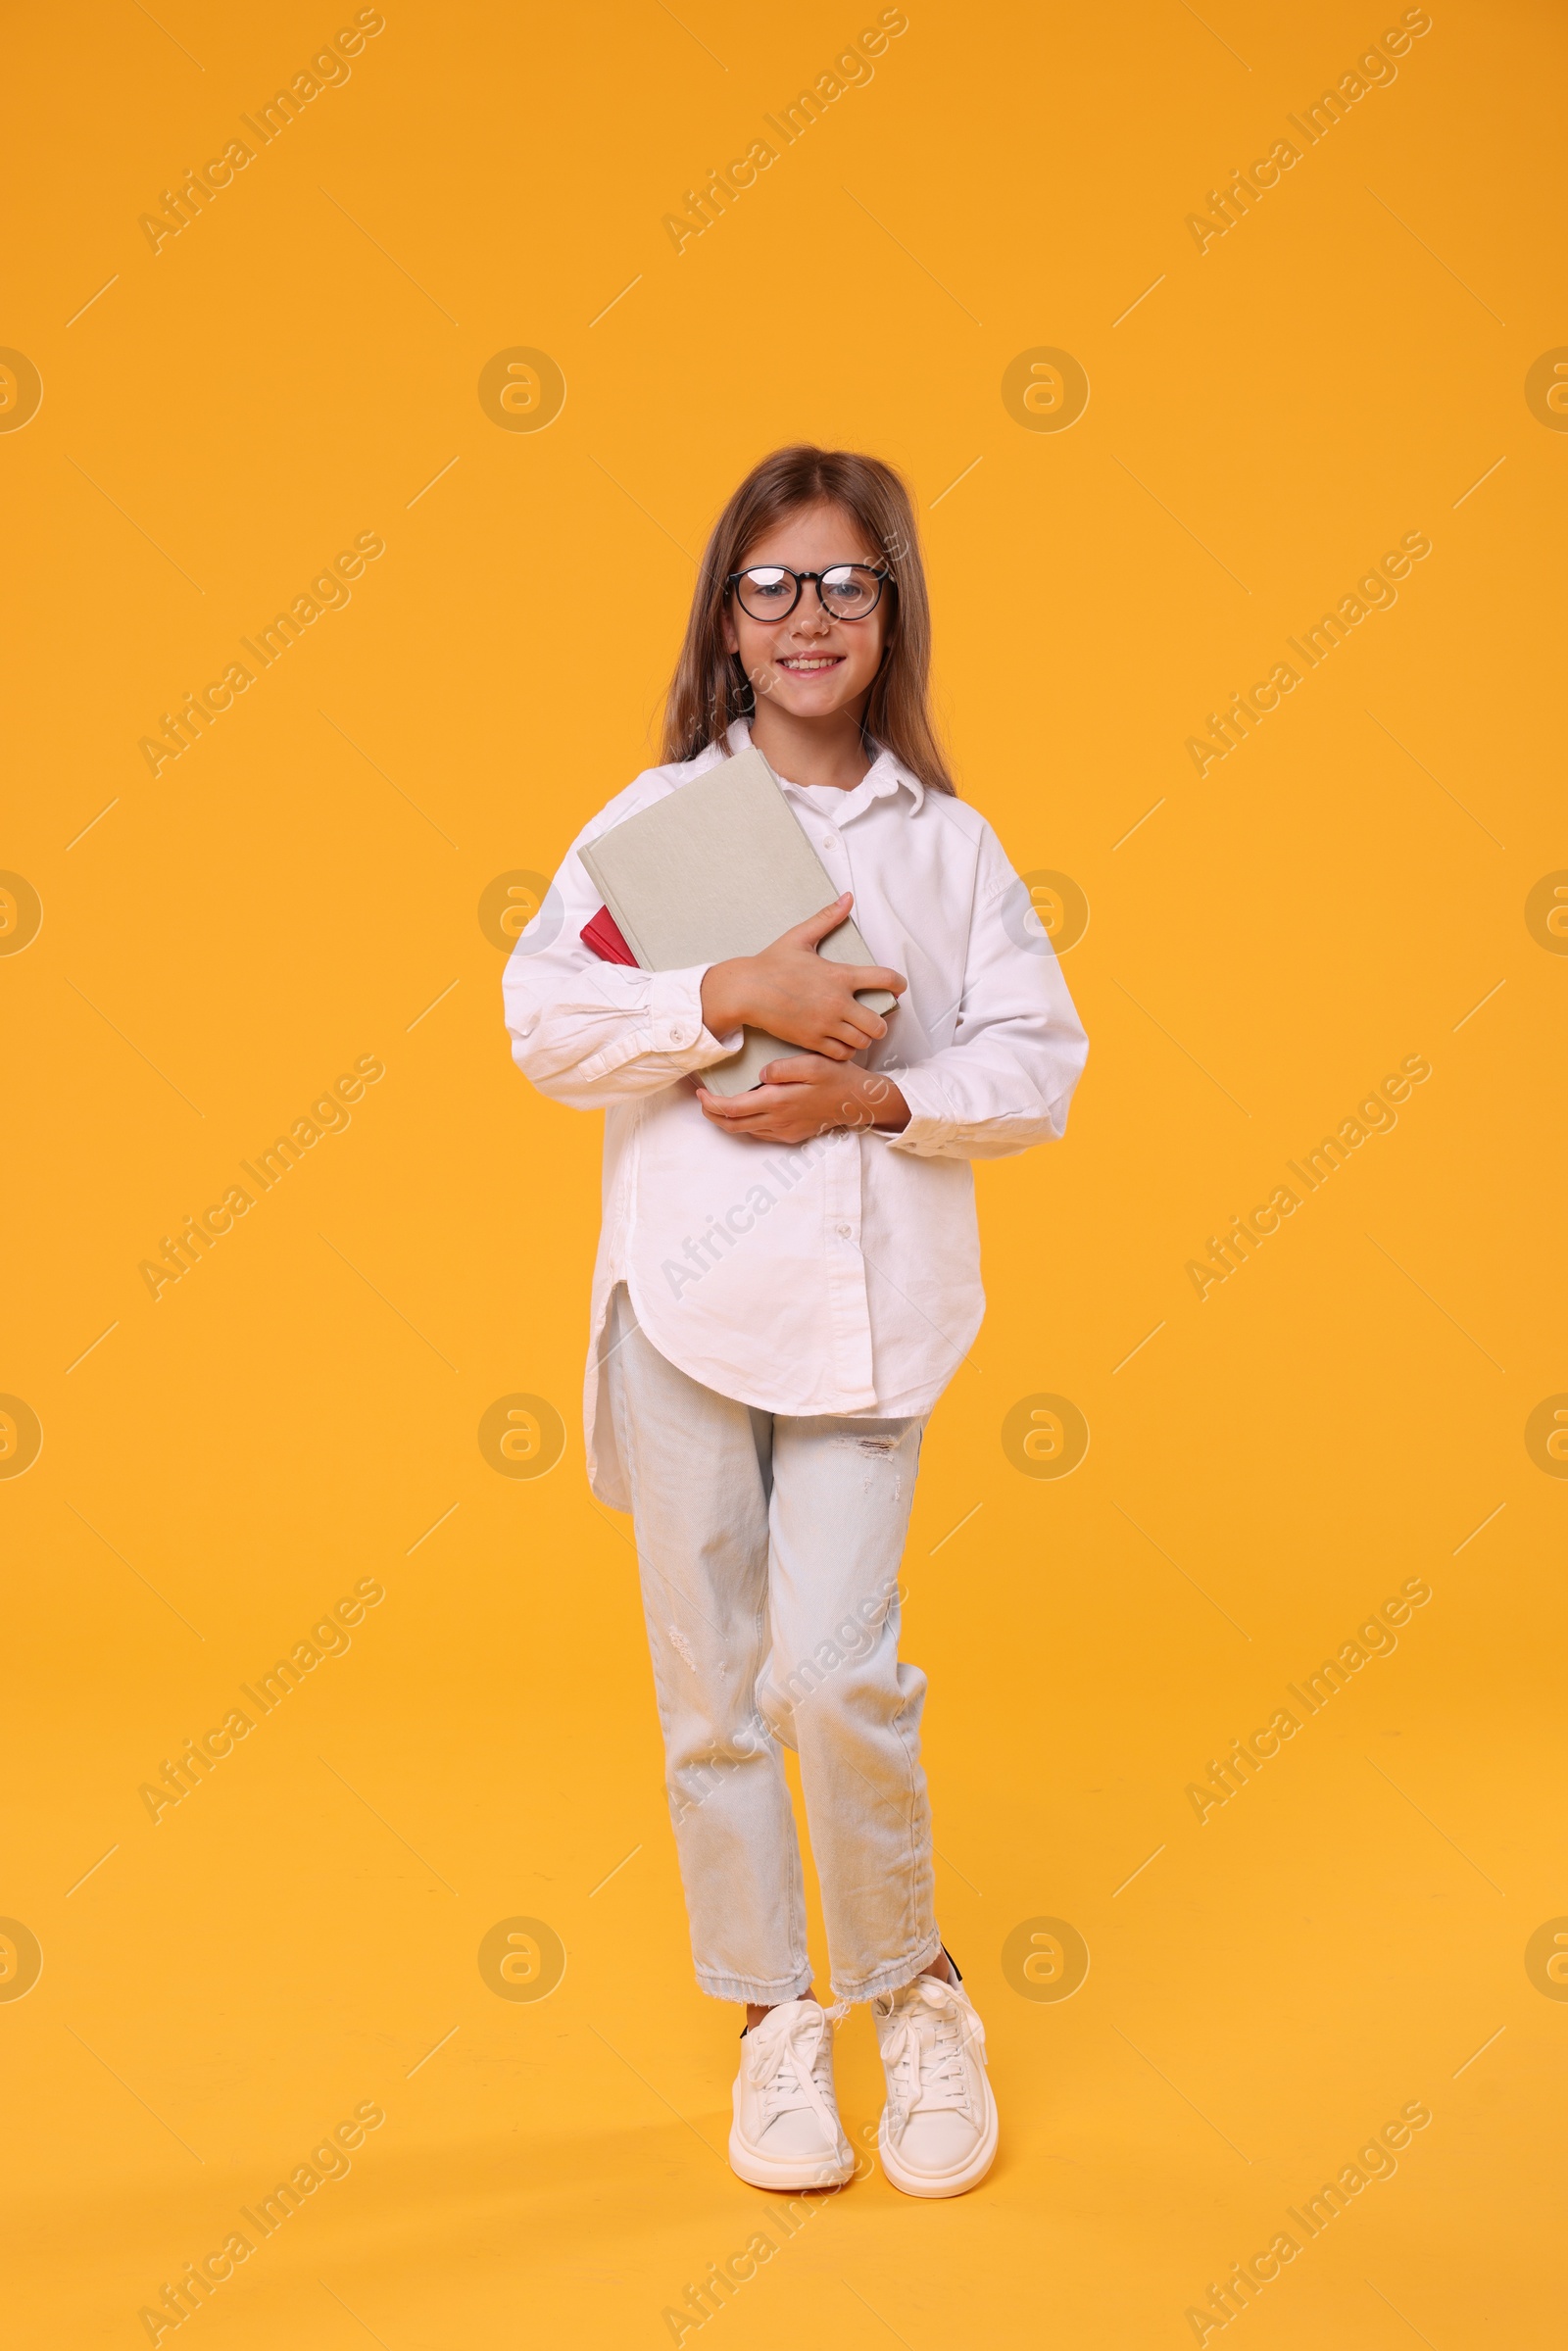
pixel 710 689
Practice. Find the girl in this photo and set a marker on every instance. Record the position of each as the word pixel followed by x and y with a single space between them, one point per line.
pixel 787 1279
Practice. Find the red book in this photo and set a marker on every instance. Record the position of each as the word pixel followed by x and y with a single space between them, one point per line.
pixel 603 935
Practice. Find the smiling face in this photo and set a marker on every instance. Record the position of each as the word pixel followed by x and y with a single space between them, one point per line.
pixel 810 665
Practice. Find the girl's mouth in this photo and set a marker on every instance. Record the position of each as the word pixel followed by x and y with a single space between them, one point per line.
pixel 809 665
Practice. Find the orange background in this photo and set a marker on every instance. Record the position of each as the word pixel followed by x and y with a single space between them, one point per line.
pixel 299 365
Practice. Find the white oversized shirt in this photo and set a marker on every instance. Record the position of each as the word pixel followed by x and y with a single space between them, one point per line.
pixel 841 1275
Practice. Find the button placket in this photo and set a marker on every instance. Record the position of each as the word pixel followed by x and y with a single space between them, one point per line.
pixel 847 1304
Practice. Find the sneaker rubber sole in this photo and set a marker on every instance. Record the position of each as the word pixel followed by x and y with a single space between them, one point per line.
pixel 955 2182
pixel 762 2170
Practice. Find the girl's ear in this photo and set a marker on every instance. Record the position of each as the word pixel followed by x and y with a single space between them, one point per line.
pixel 732 643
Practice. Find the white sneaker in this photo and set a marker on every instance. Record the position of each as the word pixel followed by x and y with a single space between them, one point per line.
pixel 787 2131
pixel 938 2135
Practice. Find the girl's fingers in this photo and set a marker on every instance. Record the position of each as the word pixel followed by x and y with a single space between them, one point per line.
pixel 724 1110
pixel 735 1109
pixel 873 975
pixel 807 934
pixel 774 1121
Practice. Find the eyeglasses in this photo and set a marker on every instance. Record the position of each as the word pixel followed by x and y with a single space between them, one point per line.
pixel 771 591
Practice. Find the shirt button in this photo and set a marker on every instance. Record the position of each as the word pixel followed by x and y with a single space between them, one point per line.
pixel 680 1037
pixel 827 840
pixel 845 1231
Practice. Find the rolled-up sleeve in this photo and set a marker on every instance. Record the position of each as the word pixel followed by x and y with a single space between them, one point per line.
pixel 1005 1080
pixel 591 1034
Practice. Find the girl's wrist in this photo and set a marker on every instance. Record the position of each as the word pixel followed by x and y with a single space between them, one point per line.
pixel 888 1108
pixel 724 996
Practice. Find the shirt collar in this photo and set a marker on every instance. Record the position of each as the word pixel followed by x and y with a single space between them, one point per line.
pixel 884 775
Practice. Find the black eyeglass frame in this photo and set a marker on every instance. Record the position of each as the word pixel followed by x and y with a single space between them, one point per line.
pixel 883 577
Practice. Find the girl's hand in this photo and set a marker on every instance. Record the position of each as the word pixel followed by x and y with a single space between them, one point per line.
pixel 807 1095
pixel 790 991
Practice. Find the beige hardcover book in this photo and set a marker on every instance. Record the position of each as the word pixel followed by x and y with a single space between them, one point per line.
pixel 720 868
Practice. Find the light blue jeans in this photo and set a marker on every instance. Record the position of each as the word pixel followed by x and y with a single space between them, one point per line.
pixel 769 1550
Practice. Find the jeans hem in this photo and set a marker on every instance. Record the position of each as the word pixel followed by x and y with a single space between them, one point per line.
pixel 758 1991
pixel 894 1976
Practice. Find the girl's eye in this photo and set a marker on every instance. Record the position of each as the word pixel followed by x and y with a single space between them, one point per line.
pixel 768 585
pixel 849 589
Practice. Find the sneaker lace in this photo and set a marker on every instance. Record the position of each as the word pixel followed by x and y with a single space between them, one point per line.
pixel 785 2063
pixel 924 2053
